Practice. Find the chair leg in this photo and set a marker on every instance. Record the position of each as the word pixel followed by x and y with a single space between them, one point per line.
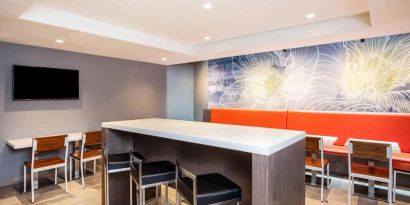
pixel 328 175
pixel 166 194
pixel 65 178
pixel 95 165
pixel 55 176
pixel 131 191
pixel 176 192
pixel 107 187
pixel 352 185
pixel 389 194
pixel 82 173
pixel 157 190
pixel 177 198
pixel 321 184
pixel 143 197
pixel 24 178
pixel 140 194
pixel 349 192
pixel 71 168
pixel 394 186
pixel 32 186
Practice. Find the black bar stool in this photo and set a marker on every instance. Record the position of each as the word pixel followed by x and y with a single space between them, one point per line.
pixel 205 189
pixel 150 174
pixel 116 163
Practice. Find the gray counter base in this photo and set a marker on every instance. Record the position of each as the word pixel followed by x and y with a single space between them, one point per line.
pixel 278 179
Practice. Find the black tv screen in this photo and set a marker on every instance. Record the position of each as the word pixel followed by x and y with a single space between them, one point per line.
pixel 40 83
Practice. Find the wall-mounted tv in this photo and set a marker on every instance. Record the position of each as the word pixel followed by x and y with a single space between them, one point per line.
pixel 41 83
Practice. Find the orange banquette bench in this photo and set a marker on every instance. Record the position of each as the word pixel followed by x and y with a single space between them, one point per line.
pixel 257 118
pixel 370 126
pixel 391 127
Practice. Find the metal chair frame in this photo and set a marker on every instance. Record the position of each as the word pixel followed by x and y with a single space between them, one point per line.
pixel 368 177
pixel 84 161
pixel 141 188
pixel 34 170
pixel 106 176
pixel 193 177
pixel 322 168
pixel 395 181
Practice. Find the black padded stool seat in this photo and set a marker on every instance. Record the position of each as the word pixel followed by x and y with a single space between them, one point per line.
pixel 120 161
pixel 211 188
pixel 155 172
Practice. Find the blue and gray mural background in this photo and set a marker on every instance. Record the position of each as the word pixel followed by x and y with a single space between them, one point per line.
pixel 362 76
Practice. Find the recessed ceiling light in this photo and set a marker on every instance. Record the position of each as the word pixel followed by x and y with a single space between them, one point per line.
pixel 207 38
pixel 164 59
pixel 207 5
pixel 310 16
pixel 59 41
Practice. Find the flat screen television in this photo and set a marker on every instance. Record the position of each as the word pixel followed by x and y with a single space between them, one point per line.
pixel 41 83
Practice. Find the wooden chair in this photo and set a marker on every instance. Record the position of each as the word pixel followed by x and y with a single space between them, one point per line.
pixel 314 145
pixel 46 144
pixel 91 139
pixel 370 151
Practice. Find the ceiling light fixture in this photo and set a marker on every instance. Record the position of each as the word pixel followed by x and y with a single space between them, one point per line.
pixel 310 16
pixel 164 59
pixel 207 38
pixel 207 5
pixel 59 41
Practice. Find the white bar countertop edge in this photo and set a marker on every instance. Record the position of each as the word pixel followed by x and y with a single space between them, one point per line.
pixel 257 140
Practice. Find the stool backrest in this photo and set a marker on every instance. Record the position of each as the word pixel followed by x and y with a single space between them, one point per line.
pixel 370 150
pixel 181 172
pixel 136 167
pixel 49 143
pixel 314 144
pixel 92 138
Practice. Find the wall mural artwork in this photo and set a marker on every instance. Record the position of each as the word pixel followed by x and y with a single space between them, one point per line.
pixel 362 76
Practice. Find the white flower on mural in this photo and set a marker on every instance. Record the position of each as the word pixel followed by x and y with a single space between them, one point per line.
pixel 274 79
pixel 372 76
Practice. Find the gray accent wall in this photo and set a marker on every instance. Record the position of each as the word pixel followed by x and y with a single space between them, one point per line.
pixel 180 92
pixel 110 89
pixel 201 89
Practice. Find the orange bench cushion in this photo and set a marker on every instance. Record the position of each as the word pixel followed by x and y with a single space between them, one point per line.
pixel 246 117
pixel 391 127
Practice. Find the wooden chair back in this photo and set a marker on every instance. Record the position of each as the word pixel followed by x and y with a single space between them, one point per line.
pixel 370 150
pixel 313 144
pixel 50 143
pixel 92 138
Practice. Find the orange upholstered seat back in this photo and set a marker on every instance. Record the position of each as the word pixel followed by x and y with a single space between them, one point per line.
pixel 257 118
pixel 390 127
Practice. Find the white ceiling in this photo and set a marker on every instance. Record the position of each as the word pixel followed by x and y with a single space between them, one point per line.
pixel 148 30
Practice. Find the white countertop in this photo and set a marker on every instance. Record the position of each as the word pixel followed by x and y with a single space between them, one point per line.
pixel 263 141
pixel 28 142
